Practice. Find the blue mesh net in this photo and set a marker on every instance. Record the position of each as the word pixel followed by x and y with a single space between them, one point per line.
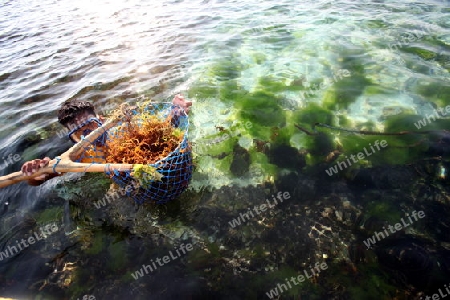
pixel 175 169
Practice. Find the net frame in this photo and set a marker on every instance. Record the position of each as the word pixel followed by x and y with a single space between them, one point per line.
pixel 174 170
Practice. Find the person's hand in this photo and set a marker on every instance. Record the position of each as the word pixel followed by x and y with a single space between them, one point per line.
pixel 32 166
pixel 181 102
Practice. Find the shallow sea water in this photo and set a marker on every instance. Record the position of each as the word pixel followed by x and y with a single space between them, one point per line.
pixel 257 71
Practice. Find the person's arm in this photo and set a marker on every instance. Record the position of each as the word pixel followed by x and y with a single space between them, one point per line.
pixel 33 166
pixel 176 112
pixel 41 179
pixel 183 103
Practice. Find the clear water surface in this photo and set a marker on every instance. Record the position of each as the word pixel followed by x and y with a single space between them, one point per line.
pixel 276 66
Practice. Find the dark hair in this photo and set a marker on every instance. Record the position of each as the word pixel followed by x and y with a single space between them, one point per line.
pixel 70 109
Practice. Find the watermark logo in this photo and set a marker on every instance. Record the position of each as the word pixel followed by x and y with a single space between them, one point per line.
pixel 313 89
pixel 115 194
pixel 63 133
pixel 161 262
pixel 347 163
pixel 43 233
pixel 281 287
pixel 226 136
pixel 438 296
pixel 87 297
pixel 434 116
pixel 378 236
pixel 9 160
pixel 411 37
pixel 258 209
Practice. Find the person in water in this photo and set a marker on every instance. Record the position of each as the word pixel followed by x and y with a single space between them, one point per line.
pixel 80 119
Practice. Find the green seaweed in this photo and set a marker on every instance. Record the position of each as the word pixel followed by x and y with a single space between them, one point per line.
pixel 217 144
pixel 221 163
pixel 281 136
pixel 395 150
pixel 226 69
pixel 97 244
pixel 283 274
pixel 436 91
pixel 83 282
pixel 50 215
pixel 274 85
pixel 344 92
pixel 261 108
pixel 368 282
pixel 240 162
pixel 203 90
pixel 259 58
pixel 385 211
pixel 349 85
pixel 422 53
pixel 262 162
pixel 117 255
pixel 377 24
pixel 320 144
pixel 230 91
pixel 76 189
pixel 312 114
pixel 146 174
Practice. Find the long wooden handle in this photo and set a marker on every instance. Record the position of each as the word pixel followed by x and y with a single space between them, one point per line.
pixel 67 164
pixel 63 167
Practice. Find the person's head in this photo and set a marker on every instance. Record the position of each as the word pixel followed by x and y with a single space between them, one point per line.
pixel 79 118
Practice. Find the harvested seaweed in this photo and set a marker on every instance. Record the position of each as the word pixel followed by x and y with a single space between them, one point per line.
pixel 142 140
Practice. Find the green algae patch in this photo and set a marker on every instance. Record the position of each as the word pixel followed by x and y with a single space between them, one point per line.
pixel 412 146
pixel 261 108
pixel 377 90
pixel 274 85
pixel 262 162
pixel 203 90
pixel 117 255
pixel 385 211
pixel 285 156
pixel 347 89
pixel 369 282
pixel 374 287
pixel 262 111
pixel 50 215
pixel 320 144
pixel 312 114
pixel 376 149
pixel 422 53
pixel 391 148
pixel 230 91
pixel 240 161
pixel 145 174
pixel 281 136
pixel 345 92
pixel 377 24
pixel 258 58
pixel 97 244
pixel 436 91
pixel 221 164
pixel 76 189
pixel 401 123
pixel 225 69
pixel 295 291
pixel 219 80
pixel 218 144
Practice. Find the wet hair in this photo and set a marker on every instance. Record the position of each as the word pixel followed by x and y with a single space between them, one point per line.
pixel 70 109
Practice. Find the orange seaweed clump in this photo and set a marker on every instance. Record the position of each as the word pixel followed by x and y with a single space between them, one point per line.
pixel 143 140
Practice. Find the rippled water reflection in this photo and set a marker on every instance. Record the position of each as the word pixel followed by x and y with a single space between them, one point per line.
pixel 218 53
